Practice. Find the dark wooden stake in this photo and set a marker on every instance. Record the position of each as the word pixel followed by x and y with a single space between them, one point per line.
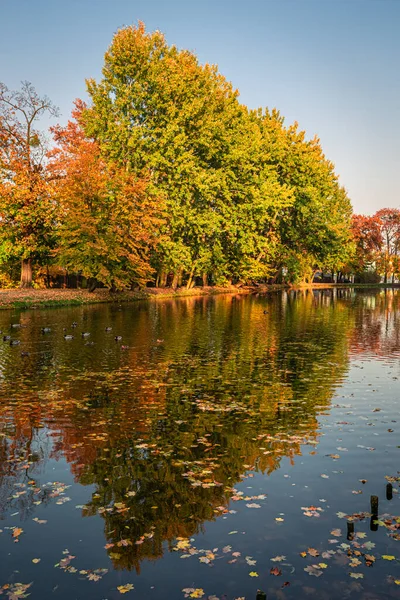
pixel 261 595
pixel 374 505
pixel 350 530
pixel 389 491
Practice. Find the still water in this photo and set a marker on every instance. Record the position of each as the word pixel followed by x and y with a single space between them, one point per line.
pixel 220 447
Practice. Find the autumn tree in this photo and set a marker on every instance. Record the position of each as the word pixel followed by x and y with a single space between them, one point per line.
pixel 156 108
pixel 108 220
pixel 387 261
pixel 368 240
pixel 26 205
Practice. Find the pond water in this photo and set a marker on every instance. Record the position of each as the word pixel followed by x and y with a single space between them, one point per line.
pixel 220 447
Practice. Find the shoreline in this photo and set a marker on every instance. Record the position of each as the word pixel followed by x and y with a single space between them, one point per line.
pixel 47 298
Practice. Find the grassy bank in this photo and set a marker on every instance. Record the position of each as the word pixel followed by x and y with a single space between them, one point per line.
pixel 17 298
pixel 29 298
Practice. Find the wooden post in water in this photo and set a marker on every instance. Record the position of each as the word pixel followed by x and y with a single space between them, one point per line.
pixel 389 491
pixel 374 505
pixel 261 595
pixel 374 513
pixel 350 530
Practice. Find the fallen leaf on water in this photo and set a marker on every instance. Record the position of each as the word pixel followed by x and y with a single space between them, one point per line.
pixel 123 589
pixel 16 533
pixel 369 558
pixel 278 558
pixel 275 571
pixel 313 570
pixel 253 574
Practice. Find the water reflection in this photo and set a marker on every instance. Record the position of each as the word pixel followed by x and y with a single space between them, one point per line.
pixel 166 422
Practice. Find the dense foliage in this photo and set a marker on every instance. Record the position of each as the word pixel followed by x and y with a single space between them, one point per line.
pixel 165 177
pixel 377 240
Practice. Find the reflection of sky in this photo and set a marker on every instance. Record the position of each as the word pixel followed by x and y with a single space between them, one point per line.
pixel 332 66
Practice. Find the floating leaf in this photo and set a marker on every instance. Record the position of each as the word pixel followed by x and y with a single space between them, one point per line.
pixel 123 589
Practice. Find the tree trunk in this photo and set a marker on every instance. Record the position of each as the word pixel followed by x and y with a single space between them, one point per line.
pixel 162 279
pixel 26 273
pixel 47 276
pixel 92 284
pixel 175 280
pixel 189 283
pixel 205 279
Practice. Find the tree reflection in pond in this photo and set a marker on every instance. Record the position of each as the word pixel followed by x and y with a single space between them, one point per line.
pixel 205 392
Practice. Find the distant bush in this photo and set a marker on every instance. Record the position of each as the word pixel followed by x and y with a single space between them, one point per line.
pixel 368 277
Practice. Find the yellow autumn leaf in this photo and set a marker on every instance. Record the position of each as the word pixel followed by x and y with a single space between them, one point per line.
pixel 323 565
pixel 253 574
pixel 388 557
pixel 123 589
pixel 197 593
pixel 182 544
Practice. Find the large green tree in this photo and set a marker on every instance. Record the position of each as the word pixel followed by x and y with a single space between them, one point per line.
pixel 315 232
pixel 158 111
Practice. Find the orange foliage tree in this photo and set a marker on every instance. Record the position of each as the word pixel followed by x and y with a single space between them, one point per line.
pixel 26 206
pixel 108 218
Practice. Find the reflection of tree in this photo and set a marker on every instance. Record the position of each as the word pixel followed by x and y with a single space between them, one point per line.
pixel 23 448
pixel 377 319
pixel 207 389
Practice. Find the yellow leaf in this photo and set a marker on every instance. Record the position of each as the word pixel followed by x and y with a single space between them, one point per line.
pixel 388 557
pixel 253 574
pixel 123 589
pixel 197 593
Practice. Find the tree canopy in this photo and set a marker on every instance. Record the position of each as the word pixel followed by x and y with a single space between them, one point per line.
pixel 166 178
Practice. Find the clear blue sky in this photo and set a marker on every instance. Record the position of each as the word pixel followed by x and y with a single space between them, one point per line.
pixel 332 65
